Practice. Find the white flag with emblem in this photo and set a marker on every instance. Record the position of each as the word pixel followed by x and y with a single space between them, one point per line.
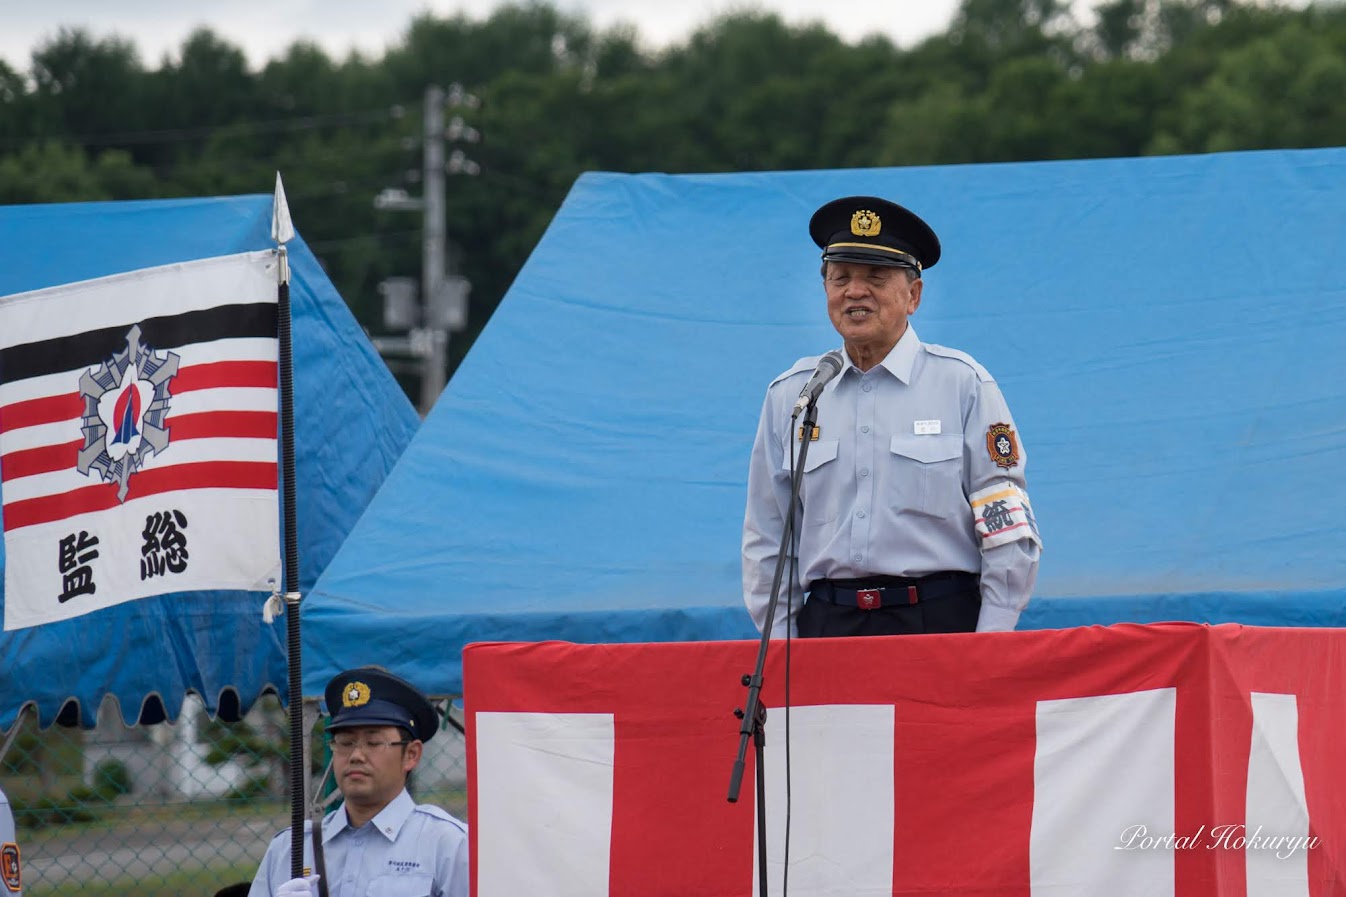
pixel 138 437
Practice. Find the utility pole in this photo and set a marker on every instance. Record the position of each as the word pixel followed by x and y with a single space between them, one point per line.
pixel 443 296
pixel 432 248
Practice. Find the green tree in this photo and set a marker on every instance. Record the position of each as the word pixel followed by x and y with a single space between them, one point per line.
pixel 1282 89
pixel 59 172
pixel 83 86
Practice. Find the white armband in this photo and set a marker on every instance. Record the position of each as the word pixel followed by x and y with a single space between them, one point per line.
pixel 1002 514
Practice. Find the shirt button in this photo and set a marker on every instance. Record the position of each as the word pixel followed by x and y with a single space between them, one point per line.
pixel 868 387
pixel 859 557
pixel 864 429
pixel 859 513
pixel 864 471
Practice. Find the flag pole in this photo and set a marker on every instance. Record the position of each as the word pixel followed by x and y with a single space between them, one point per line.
pixel 282 231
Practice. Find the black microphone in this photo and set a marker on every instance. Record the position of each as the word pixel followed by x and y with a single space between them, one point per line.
pixel 828 367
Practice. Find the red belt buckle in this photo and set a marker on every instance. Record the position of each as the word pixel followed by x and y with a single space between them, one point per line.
pixel 868 599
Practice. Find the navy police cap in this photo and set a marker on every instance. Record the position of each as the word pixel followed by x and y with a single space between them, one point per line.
pixel 873 231
pixel 369 696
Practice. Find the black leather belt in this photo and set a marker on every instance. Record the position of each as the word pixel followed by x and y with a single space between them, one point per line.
pixel 874 592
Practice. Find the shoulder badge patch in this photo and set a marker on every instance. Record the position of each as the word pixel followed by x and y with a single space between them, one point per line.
pixel 9 866
pixel 1002 446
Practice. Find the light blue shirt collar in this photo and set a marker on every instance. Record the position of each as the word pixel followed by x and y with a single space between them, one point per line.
pixel 388 821
pixel 899 361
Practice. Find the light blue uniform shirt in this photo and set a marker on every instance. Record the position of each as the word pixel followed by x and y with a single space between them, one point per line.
pixel 407 850
pixel 904 450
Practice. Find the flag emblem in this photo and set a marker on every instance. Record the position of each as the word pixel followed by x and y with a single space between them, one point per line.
pixel 126 402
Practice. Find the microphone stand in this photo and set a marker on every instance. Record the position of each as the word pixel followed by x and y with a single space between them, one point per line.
pixel 753 714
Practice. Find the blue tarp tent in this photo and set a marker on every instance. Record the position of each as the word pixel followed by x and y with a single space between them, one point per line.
pixel 352 422
pixel 1170 333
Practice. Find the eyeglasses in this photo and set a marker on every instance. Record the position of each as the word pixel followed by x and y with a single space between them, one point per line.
pixel 877 279
pixel 345 745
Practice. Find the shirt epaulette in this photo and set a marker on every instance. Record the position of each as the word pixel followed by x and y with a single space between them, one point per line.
pixel 806 363
pixel 285 832
pixel 439 813
pixel 945 352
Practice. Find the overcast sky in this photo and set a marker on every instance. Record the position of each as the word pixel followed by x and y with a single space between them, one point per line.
pixel 263 28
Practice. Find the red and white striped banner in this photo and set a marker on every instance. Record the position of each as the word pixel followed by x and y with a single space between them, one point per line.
pixel 1169 760
pixel 138 437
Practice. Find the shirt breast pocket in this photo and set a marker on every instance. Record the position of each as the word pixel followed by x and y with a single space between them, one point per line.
pixel 819 497
pixel 408 884
pixel 929 472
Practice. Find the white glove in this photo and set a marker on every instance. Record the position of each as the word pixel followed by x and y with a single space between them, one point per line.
pixel 299 887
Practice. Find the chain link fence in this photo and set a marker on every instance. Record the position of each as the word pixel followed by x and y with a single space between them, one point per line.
pixel 182 809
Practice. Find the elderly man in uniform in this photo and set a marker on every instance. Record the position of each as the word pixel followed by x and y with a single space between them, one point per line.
pixel 914 508
pixel 378 841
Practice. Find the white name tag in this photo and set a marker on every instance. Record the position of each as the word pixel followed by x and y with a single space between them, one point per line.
pixel 927 427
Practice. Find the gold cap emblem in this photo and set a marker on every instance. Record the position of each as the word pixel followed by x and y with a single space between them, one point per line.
pixel 865 223
pixel 356 694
